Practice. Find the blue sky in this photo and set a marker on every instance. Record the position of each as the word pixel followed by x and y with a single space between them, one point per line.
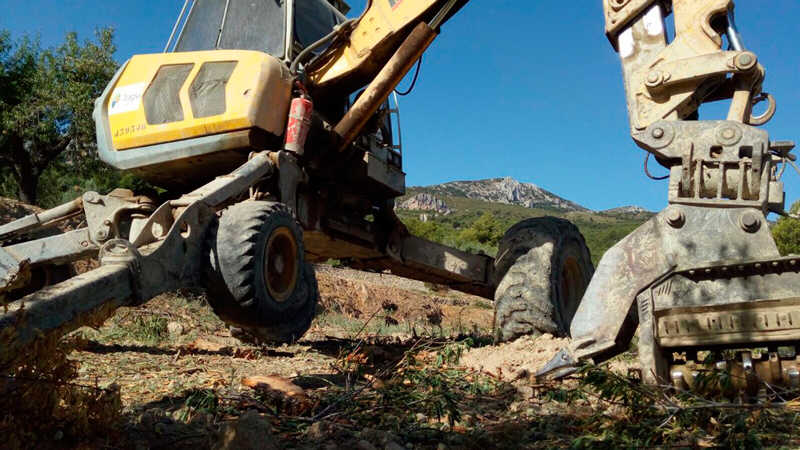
pixel 528 89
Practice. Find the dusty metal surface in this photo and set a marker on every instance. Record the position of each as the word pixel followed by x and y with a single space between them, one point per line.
pixel 748 322
pixel 421 259
pixel 654 250
pixel 47 315
pixel 620 13
pixel 13 273
pixel 57 249
pixel 704 272
pixel 669 80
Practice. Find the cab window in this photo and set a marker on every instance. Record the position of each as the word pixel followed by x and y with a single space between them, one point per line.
pixel 248 25
pixel 313 19
pixel 254 25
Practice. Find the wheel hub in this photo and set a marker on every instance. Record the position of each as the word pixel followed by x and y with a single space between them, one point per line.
pixel 281 264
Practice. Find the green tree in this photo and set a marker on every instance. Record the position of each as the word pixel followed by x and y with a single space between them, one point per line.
pixel 46 102
pixel 787 232
pixel 485 230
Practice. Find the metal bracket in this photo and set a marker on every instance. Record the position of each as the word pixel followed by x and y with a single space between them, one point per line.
pixel 290 175
pixel 721 162
pixel 122 252
pixel 105 213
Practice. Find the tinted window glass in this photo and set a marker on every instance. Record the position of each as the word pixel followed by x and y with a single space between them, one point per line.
pixel 207 92
pixel 254 25
pixel 249 25
pixel 202 27
pixel 313 19
pixel 162 103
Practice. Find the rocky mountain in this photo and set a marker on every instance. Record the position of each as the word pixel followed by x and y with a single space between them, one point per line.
pixel 501 190
pixel 630 210
pixel 426 202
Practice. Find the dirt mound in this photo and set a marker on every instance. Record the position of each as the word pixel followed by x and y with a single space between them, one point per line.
pixel 383 279
pixel 514 360
pixel 354 295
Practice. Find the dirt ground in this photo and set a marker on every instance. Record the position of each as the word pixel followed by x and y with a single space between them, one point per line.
pixel 202 354
pixel 415 307
pixel 514 360
pixel 155 354
pixel 389 363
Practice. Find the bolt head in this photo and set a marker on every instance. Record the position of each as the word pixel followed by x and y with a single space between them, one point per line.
pixel 658 133
pixel 91 197
pixel 745 61
pixel 675 217
pixel 750 222
pixel 728 135
pixel 618 4
pixel 654 78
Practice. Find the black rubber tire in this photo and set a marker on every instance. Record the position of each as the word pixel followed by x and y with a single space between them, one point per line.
pixel 541 272
pixel 236 283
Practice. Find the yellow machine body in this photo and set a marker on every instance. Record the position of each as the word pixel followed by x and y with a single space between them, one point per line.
pixel 169 116
pixel 378 33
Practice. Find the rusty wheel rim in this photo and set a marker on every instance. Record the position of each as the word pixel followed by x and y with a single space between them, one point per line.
pixel 572 289
pixel 280 264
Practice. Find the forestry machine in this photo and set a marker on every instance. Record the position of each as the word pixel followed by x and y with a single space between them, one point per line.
pixel 271 126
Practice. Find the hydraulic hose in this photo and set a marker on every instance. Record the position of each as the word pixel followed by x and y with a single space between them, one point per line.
pixel 316 45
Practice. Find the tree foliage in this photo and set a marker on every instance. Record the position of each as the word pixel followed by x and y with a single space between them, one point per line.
pixel 787 233
pixel 46 103
pixel 478 226
pixel 486 230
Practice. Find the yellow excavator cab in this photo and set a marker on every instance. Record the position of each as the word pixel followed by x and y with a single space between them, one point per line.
pixel 179 118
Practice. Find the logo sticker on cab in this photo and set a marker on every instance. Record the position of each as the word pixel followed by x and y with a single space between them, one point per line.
pixel 126 98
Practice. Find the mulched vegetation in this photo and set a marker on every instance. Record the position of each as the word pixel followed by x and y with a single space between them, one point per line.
pixel 169 375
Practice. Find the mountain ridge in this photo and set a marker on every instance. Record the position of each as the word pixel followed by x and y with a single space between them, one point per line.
pixel 468 216
pixel 505 190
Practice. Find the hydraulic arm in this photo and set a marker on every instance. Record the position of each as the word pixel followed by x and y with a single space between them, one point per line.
pixel 704 274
